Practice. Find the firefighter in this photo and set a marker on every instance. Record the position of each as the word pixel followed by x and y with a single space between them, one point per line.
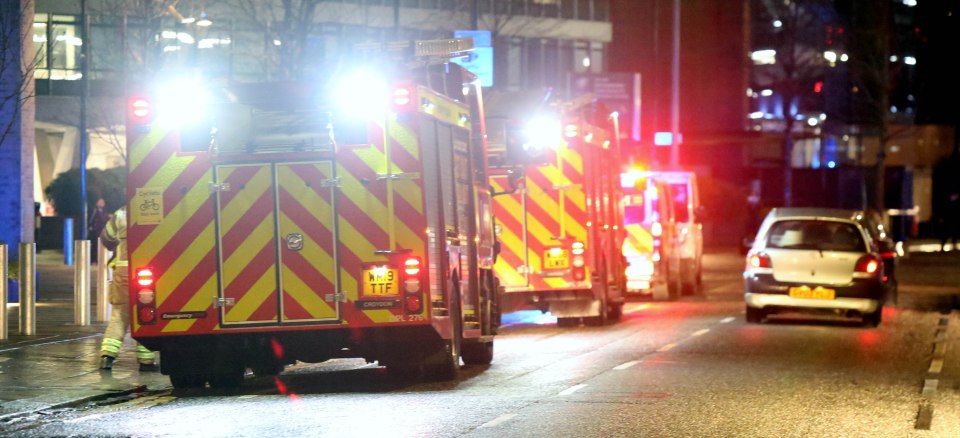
pixel 114 237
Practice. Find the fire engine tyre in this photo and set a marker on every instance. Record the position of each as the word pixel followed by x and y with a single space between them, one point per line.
pixel 184 380
pixel 444 364
pixel 616 311
pixel 227 379
pixel 477 353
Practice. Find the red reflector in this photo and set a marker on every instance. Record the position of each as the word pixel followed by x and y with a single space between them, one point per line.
pixel 147 314
pixel 578 274
pixel 413 303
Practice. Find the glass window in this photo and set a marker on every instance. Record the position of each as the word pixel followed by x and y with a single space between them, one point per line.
pixel 818 235
pixel 680 204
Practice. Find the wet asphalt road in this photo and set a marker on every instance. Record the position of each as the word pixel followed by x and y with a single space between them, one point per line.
pixel 692 368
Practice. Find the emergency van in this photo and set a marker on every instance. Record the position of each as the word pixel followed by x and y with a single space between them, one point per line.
pixel 556 179
pixel 651 246
pixel 280 222
pixel 689 214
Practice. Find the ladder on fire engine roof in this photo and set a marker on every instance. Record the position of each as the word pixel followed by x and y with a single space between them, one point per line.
pixel 428 51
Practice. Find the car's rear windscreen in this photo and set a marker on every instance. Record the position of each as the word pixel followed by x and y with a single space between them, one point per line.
pixel 815 234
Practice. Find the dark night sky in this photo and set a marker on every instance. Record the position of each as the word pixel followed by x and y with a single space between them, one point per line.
pixel 938 99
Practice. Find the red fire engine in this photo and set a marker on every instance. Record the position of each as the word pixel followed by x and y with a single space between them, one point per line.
pixel 274 223
pixel 557 178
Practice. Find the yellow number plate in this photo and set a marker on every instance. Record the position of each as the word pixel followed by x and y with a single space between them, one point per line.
pixel 817 293
pixel 556 258
pixel 380 280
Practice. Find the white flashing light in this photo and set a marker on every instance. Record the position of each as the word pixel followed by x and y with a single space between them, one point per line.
pixel 893 58
pixel 812 121
pixel 761 57
pixel 586 62
pixel 185 38
pixel 750 93
pixel 766 92
pixel 756 115
pixel 823 116
pixel 362 93
pixel 831 164
pixel 844 57
pixel 910 3
pixel 188 20
pixel 543 132
pixel 277 43
pixel 182 101
pixel 909 60
pixel 830 56
pixel 168 35
pixel 777 24
pixel 167 49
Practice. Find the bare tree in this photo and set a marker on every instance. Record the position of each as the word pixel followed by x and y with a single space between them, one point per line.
pixel 798 39
pixel 16 64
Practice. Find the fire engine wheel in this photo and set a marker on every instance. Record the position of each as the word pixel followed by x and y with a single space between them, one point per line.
pixel 227 379
pixel 182 380
pixel 444 364
pixel 478 353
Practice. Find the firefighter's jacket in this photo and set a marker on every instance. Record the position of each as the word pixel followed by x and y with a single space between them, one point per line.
pixel 114 237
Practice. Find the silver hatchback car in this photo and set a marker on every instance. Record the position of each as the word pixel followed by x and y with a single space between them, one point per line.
pixel 814 259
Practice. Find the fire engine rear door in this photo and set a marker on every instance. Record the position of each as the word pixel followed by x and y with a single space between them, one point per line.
pixel 275 240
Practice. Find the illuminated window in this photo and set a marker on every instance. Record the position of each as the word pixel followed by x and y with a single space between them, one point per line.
pixel 57 42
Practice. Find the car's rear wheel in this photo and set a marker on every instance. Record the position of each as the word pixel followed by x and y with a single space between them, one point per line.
pixel 873 319
pixel 755 315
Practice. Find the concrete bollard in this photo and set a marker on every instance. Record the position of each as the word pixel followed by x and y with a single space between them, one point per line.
pixel 81 282
pixel 28 300
pixel 3 291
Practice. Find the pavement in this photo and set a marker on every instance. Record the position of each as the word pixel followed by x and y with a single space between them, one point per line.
pixel 56 368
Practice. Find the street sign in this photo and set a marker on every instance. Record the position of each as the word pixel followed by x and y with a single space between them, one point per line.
pixel 479 61
pixel 619 91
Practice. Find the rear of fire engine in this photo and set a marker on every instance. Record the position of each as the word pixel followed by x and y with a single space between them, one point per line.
pixel 650 247
pixel 283 222
pixel 556 179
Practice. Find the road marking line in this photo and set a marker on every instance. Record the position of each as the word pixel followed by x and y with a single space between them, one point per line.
pixel 667 347
pixel 499 420
pixel 637 309
pixel 941 335
pixel 929 387
pixel 939 349
pixel 700 332
pixel 626 365
pixel 936 366
pixel 572 389
pixel 728 319
pixel 924 417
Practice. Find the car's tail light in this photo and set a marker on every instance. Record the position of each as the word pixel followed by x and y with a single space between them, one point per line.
pixel 412 286
pixel 868 264
pixel 146 296
pixel 759 260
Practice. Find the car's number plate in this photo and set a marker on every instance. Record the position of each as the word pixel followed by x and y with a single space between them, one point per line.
pixel 817 293
pixel 556 259
pixel 381 281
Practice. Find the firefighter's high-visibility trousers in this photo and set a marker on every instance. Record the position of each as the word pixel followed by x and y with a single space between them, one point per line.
pixel 116 330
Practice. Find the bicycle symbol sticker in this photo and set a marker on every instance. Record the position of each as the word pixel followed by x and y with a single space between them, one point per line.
pixel 147 206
